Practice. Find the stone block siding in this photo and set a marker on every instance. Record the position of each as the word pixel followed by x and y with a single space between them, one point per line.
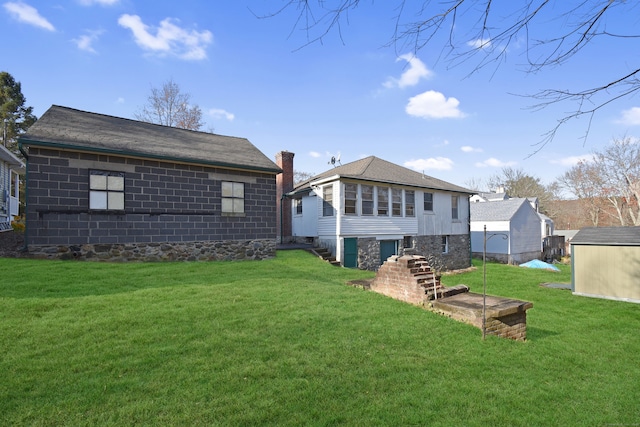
pixel 457 258
pixel 192 251
pixel 368 253
pixel 164 203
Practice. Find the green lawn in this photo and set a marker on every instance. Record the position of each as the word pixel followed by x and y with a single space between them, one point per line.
pixel 286 342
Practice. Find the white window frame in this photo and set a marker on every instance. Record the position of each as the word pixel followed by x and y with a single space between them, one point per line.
pixel 233 195
pixel 106 190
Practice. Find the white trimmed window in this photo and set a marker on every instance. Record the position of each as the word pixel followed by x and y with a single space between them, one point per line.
pixel 428 202
pixel 327 200
pixel 454 207
pixel 445 244
pixel 396 202
pixel 297 204
pixel 106 190
pixel 367 199
pixel 383 201
pixel 350 198
pixel 409 203
pixel 232 197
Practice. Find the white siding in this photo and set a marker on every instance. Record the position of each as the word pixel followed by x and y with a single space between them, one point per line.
pixel 306 225
pixel 525 231
pixel 439 221
pixel 498 237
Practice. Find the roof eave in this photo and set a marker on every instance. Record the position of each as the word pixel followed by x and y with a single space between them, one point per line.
pixel 32 142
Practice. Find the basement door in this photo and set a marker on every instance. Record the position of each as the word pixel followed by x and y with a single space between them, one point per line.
pixel 387 248
pixel 351 252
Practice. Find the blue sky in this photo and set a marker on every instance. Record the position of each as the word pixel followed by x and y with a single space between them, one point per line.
pixel 349 95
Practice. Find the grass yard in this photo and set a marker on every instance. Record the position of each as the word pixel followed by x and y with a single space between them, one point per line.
pixel 286 342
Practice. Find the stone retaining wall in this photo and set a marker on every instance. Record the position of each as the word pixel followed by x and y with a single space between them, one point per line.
pixel 190 251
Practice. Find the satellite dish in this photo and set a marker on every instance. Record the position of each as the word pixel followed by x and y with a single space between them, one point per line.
pixel 332 161
pixel 338 158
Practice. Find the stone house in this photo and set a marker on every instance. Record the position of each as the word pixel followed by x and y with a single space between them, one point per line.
pixel 10 169
pixel 109 188
pixel 368 210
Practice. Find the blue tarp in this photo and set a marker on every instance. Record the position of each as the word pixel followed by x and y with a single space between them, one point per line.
pixel 536 263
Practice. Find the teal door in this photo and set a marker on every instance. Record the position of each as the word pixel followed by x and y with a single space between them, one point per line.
pixel 351 252
pixel 387 248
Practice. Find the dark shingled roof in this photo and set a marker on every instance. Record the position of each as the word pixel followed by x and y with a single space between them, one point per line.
pixel 71 129
pixel 607 236
pixel 377 170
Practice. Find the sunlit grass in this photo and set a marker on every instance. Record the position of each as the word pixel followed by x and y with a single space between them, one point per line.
pixel 286 342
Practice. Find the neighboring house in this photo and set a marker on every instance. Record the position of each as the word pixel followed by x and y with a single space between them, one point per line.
pixel 10 169
pixel 605 263
pixel 112 188
pixel 568 236
pixel 514 233
pixel 371 209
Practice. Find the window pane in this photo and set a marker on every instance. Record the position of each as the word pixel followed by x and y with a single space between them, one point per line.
pixel 115 183
pixel 445 244
pixel 97 182
pixel 409 203
pixel 428 202
pixel 238 205
pixel 383 201
pixel 327 202
pixel 238 190
pixel 396 198
pixel 227 205
pixel 350 198
pixel 227 189
pixel 454 207
pixel 367 199
pixel 98 199
pixel 116 201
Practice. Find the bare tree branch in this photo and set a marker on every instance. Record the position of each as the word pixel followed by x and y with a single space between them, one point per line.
pixel 553 33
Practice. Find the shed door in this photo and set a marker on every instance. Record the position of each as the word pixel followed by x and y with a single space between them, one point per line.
pixel 351 252
pixel 387 248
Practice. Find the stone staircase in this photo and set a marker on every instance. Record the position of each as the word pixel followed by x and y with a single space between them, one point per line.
pixel 326 255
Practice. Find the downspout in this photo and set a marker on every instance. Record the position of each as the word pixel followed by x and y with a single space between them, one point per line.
pixel 282 217
pixel 469 229
pixel 25 248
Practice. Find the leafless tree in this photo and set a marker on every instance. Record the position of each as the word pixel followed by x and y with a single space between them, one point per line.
pixel 169 106
pixel 517 183
pixel 612 178
pixel 484 32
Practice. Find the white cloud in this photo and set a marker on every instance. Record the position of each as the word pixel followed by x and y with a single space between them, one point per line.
pixel 315 154
pixel 27 14
pixel 433 105
pixel 85 41
pixel 631 116
pixel 120 100
pixel 417 70
pixel 437 163
pixel 168 38
pixel 470 149
pixel 573 160
pixel 100 2
pixel 218 113
pixel 494 163
pixel 479 43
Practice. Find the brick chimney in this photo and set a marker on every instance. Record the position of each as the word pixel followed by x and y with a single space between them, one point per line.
pixel 284 184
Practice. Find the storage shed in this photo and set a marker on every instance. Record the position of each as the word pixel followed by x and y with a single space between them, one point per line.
pixel 605 263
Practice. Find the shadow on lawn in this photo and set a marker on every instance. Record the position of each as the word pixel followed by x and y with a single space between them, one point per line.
pixel 539 334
